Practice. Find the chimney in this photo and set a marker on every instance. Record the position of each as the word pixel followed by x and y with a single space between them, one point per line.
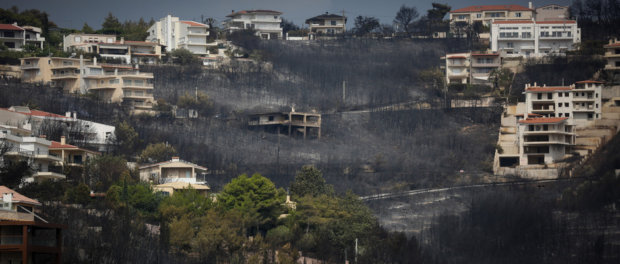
pixel 74 115
pixel 7 198
pixel 176 159
pixel 42 136
pixel 529 5
pixel 63 140
pixel 94 61
pixel 122 40
pixel 68 114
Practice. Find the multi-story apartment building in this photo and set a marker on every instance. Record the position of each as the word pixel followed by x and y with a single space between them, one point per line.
pixel 176 34
pixel 534 38
pixel 26 237
pixel 15 37
pixel 470 67
pixel 488 13
pixel 111 83
pixel 327 24
pixel 551 12
pixel 612 55
pixel 34 150
pixel 544 140
pixel 581 101
pixel 266 23
pixel 109 48
pixel 535 136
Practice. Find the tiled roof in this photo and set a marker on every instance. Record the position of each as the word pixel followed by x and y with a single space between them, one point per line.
pixel 325 16
pixel 57 145
pixel 588 81
pixel 254 12
pixel 17 197
pixel 457 57
pixel 613 45
pixel 481 8
pixel 171 161
pixel 534 22
pixel 530 114
pixel 193 24
pixel 548 89
pixel 513 22
pixel 543 120
pixel 9 27
pixel 37 113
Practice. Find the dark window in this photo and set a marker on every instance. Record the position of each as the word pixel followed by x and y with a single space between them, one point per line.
pixel 270 118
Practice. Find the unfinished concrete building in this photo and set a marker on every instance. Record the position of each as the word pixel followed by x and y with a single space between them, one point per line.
pixel 295 124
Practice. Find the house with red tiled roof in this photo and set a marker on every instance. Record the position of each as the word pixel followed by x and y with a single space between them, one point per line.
pixel 612 55
pixel 25 235
pixel 174 33
pixel 530 38
pixel 538 135
pixel 485 14
pixel 14 37
pixel 266 23
pixel 71 155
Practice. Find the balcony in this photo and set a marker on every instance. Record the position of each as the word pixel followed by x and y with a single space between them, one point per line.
pixel 32 66
pixel 589 108
pixel 56 65
pixel 548 109
pixel 48 175
pixel 560 36
pixel 583 98
pixel 17 216
pixel 612 67
pixel 494 64
pixel 613 54
pixel 71 75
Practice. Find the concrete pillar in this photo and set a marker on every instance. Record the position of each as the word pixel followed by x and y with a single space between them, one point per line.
pixel 24 246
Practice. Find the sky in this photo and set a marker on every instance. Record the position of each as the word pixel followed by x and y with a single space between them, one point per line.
pixel 74 13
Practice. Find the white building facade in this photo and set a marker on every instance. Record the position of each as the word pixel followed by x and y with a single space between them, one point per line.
pixel 470 67
pixel 266 23
pixel 176 34
pixel 531 38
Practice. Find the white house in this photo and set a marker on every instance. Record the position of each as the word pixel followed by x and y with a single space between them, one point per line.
pixel 34 150
pixel 175 34
pixel 15 37
pixel 266 23
pixel 470 67
pixel 534 38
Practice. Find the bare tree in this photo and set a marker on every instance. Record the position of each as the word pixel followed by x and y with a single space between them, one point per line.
pixel 405 17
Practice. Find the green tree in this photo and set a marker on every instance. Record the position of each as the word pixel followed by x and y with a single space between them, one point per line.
pixel 405 17
pixel 157 153
pixel 199 101
pixel 78 195
pixel 101 172
pixel 86 29
pixel 111 25
pixel 256 198
pixel 126 139
pixel 184 57
pixel 310 181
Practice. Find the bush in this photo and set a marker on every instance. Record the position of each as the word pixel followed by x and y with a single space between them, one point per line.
pixel 78 195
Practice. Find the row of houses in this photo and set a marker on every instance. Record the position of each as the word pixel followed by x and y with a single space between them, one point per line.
pixel 487 14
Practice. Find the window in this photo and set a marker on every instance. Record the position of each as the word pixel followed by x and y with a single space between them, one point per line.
pixel 510 45
pixel 461 17
pixel 275 17
pixel 187 174
pixel 78 39
pixel 559 94
pixel 333 22
pixel 567 115
pixel 566 94
pixel 566 104
pixel 518 14
pixel 478 15
pixel 590 115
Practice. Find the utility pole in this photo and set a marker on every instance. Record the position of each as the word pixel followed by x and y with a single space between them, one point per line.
pixel 344 90
pixel 196 88
pixel 355 250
